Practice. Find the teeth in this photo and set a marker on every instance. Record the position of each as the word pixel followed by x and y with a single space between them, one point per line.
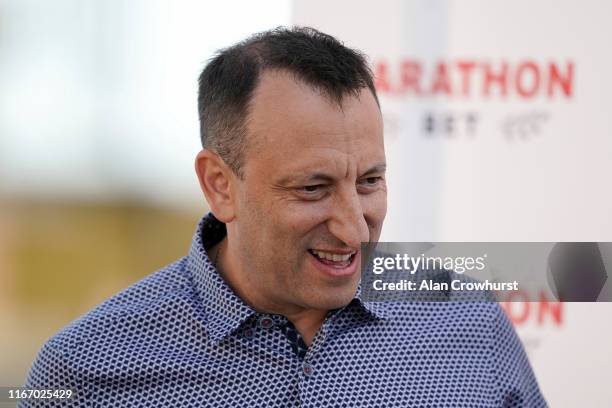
pixel 332 257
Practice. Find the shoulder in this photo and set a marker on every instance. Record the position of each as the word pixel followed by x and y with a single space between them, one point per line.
pixel 127 316
pixel 114 333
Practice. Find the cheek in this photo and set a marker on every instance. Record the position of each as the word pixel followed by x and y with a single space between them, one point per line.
pixel 375 209
pixel 298 218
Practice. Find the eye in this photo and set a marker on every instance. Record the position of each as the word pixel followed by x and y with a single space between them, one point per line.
pixel 312 188
pixel 312 191
pixel 371 181
pixel 370 184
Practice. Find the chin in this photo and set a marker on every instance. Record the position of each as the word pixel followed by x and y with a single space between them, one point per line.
pixel 335 298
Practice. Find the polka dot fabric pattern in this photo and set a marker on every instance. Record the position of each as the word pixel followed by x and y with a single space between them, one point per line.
pixel 182 338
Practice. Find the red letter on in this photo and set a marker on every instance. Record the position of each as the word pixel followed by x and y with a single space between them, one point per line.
pixel 441 82
pixel 465 67
pixel 491 78
pixel 554 309
pixel 411 76
pixel 523 89
pixel 556 80
pixel 381 80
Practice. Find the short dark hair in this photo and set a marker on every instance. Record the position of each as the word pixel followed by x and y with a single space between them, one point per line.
pixel 227 83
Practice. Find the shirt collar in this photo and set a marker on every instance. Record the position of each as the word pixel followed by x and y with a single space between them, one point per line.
pixel 224 311
pixel 379 310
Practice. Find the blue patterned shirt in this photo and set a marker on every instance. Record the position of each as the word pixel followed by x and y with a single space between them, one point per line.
pixel 182 338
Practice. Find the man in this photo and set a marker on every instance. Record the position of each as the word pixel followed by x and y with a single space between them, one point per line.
pixel 265 310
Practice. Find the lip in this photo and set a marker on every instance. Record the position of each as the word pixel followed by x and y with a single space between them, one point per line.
pixel 330 271
pixel 334 251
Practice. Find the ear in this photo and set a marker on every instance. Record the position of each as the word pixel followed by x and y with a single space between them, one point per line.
pixel 216 180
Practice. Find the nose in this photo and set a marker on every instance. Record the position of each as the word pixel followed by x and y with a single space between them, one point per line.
pixel 347 220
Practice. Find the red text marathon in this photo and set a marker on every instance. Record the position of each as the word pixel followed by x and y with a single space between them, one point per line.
pixel 465 78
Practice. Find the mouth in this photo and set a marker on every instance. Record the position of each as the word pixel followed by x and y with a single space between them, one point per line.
pixel 335 263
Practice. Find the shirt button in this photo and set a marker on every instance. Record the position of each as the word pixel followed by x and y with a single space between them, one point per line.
pixel 307 369
pixel 266 322
pixel 247 333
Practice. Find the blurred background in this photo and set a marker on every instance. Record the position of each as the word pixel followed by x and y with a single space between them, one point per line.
pixel 497 126
pixel 98 136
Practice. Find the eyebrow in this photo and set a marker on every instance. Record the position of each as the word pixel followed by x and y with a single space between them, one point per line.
pixel 320 176
pixel 379 168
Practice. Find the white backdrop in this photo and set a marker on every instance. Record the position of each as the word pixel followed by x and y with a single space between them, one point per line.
pixel 498 128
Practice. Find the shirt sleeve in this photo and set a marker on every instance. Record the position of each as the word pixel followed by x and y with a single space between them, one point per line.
pixel 516 385
pixel 51 370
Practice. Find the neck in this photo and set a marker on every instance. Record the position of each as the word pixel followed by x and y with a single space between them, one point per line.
pixel 306 321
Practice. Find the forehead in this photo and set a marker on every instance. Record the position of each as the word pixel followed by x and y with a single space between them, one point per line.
pixel 294 123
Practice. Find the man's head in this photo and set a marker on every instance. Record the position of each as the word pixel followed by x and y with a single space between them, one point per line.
pixel 294 164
